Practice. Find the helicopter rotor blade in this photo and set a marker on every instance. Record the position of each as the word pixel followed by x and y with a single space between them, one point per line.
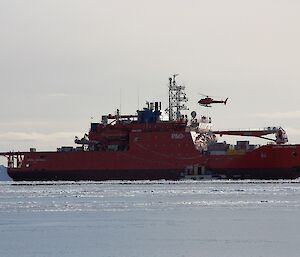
pixel 203 95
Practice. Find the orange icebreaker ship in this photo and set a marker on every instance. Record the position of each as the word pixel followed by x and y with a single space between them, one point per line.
pixel 144 147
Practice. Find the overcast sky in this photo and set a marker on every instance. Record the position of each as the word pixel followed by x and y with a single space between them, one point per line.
pixel 65 61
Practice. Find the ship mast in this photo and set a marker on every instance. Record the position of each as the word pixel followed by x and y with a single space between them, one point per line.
pixel 177 97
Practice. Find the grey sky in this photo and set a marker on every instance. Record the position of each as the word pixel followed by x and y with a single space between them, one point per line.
pixel 63 62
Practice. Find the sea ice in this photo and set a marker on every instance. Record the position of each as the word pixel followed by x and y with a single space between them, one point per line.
pixel 158 218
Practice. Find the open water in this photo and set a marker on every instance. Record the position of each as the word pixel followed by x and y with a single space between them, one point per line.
pixel 158 218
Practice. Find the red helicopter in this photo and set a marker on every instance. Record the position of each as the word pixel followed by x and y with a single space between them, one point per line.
pixel 207 101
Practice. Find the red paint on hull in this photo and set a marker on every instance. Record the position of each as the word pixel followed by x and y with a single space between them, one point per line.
pixel 266 162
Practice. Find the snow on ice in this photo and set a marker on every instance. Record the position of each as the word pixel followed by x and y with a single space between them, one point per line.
pixel 160 218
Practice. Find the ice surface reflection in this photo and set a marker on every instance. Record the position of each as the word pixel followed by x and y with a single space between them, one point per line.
pixel 150 218
pixel 130 196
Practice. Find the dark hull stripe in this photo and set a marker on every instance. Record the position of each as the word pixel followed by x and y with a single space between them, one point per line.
pixel 101 175
pixel 258 173
pixel 95 175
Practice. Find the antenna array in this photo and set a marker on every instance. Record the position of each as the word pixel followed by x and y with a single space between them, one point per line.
pixel 177 97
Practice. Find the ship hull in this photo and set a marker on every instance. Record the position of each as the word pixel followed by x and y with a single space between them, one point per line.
pixel 170 161
pixel 259 173
pixel 94 175
pixel 103 175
